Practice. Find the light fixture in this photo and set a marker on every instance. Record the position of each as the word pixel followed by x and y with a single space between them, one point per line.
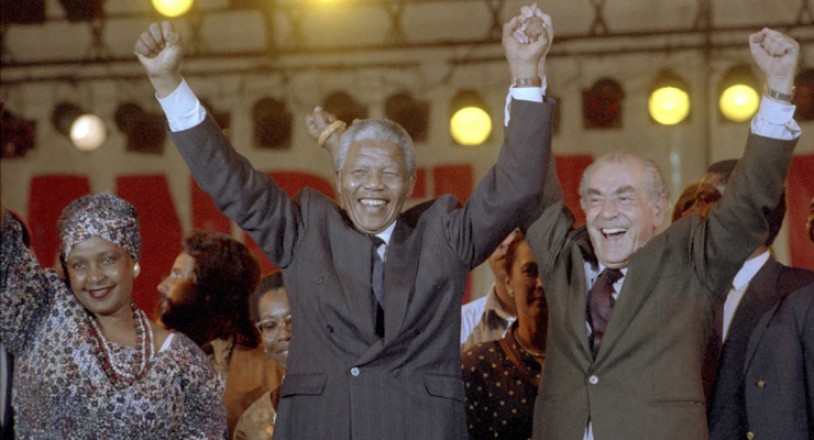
pixel 469 120
pixel 602 104
pixel 172 8
pixel 86 131
pixel 146 132
pixel 17 135
pixel 411 114
pixel 22 12
pixel 272 124
pixel 669 100
pixel 738 95
pixel 804 95
pixel 344 107
pixel 82 10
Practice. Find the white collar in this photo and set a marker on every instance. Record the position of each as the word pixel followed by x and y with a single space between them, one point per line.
pixel 749 269
pixel 385 235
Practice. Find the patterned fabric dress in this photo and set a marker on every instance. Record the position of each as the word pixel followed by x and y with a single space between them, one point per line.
pixel 60 390
pixel 499 398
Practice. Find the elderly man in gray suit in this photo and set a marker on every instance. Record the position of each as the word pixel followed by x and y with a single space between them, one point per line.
pixel 375 346
pixel 631 309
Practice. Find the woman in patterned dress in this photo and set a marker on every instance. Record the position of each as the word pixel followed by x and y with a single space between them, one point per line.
pixel 501 377
pixel 88 363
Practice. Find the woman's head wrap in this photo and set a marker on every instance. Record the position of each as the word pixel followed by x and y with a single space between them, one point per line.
pixel 104 215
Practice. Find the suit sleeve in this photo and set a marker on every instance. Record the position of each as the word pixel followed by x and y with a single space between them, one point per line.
pixel 509 193
pixel 806 323
pixel 737 225
pixel 245 195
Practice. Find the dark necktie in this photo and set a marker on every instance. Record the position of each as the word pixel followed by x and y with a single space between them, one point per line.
pixel 377 284
pixel 600 305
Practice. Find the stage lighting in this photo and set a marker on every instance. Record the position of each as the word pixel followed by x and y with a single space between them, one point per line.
pixel 82 10
pixel 804 95
pixel 738 94
pixel 602 104
pixel 17 135
pixel 172 8
pixel 413 115
pixel 469 120
pixel 344 107
pixel 669 101
pixel 86 131
pixel 22 12
pixel 272 124
pixel 146 132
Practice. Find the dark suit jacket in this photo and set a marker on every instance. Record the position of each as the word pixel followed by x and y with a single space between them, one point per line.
pixel 645 382
pixel 342 381
pixel 765 382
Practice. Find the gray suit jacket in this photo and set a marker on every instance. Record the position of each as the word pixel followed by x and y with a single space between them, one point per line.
pixel 645 382
pixel 765 383
pixel 342 381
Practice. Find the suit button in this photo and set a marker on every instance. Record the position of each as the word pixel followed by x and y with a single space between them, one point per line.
pixel 417 331
pixel 396 373
pixel 319 280
pixel 761 384
pixel 593 380
pixel 354 371
pixel 330 329
pixel 750 435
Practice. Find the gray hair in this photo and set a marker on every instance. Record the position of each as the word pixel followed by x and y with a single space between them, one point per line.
pixel 653 178
pixel 376 129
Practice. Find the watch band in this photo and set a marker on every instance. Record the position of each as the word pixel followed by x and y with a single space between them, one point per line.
pixel 778 96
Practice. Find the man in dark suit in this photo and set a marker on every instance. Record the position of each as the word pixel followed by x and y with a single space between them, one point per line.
pixel 764 387
pixel 636 373
pixel 363 365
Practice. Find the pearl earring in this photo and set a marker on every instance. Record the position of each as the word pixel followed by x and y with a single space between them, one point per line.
pixel 136 270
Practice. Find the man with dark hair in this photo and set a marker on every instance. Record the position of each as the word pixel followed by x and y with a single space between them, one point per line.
pixel 206 297
pixel 761 353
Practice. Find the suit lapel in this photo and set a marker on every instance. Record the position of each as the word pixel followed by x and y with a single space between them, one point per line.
pixel 630 300
pixel 400 271
pixel 768 281
pixel 352 253
pixel 577 304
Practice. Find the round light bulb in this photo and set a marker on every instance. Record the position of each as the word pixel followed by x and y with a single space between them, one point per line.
pixel 172 8
pixel 470 126
pixel 739 102
pixel 669 105
pixel 88 132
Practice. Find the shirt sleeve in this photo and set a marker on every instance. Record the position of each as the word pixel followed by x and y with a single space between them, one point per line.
pixel 774 120
pixel 182 107
pixel 534 94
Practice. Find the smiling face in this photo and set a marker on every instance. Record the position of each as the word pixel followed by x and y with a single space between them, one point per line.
pixel 101 276
pixel 275 324
pixel 523 280
pixel 373 184
pixel 619 213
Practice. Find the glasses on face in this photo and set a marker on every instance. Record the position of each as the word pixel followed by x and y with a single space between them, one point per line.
pixel 273 325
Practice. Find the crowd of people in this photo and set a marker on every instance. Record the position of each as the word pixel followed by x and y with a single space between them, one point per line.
pixel 618 329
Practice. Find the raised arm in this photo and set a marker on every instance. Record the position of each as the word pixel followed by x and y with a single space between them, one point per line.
pixel 160 50
pixel 736 226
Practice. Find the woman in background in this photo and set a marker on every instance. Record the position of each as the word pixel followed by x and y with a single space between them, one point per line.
pixel 271 313
pixel 502 377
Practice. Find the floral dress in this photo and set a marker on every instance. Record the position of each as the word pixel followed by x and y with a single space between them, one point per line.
pixel 59 387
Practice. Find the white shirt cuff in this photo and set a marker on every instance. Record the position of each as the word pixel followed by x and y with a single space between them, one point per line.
pixel 534 94
pixel 182 108
pixel 774 119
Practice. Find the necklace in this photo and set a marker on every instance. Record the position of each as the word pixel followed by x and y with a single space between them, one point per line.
pixel 122 376
pixel 535 354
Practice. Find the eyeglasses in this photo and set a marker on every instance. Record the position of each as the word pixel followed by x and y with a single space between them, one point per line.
pixel 272 325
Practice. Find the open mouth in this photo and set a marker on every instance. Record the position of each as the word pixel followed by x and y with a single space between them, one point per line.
pixel 612 233
pixel 373 203
pixel 99 293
